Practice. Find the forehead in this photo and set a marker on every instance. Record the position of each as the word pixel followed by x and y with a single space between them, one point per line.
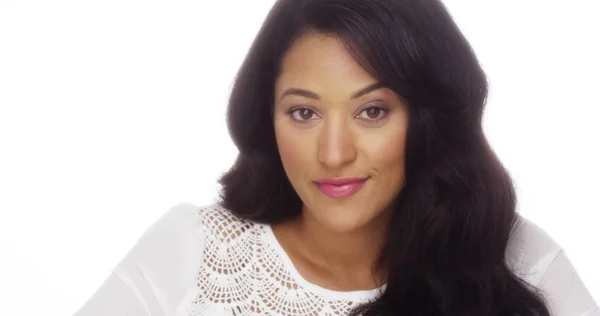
pixel 318 60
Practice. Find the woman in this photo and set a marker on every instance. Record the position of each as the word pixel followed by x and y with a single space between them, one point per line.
pixel 364 186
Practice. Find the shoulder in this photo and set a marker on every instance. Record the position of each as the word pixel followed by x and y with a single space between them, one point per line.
pixel 185 225
pixel 221 225
pixel 180 234
pixel 538 259
pixel 167 243
pixel 531 250
pixel 185 220
pixel 164 261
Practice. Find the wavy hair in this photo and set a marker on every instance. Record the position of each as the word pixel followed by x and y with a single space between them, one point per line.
pixel 454 217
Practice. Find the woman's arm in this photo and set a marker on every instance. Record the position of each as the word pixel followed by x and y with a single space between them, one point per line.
pixel 564 290
pixel 114 297
pixel 538 259
pixel 158 272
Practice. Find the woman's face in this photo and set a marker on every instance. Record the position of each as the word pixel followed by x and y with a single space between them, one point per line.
pixel 341 137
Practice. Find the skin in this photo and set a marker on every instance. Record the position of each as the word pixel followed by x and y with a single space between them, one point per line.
pixel 326 131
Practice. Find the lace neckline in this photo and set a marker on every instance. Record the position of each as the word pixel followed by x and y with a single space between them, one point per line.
pixel 300 280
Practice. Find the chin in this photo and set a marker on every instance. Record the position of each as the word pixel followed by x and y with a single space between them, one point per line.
pixel 343 218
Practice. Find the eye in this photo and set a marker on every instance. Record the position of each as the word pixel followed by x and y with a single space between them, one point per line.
pixel 373 114
pixel 303 115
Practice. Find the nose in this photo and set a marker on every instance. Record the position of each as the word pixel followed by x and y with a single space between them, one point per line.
pixel 336 144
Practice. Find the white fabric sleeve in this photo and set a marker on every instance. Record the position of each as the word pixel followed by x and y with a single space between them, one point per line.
pixel 540 260
pixel 157 273
pixel 114 297
pixel 564 290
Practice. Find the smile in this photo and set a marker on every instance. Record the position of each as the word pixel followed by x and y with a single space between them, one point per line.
pixel 340 187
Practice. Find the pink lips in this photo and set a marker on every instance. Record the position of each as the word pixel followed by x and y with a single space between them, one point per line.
pixel 340 187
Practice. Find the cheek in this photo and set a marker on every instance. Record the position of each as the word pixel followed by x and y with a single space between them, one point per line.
pixel 393 152
pixel 387 153
pixel 293 150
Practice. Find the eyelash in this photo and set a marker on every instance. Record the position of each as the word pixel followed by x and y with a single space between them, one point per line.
pixel 369 120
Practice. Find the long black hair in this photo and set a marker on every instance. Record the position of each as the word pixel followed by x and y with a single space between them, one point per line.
pixel 453 219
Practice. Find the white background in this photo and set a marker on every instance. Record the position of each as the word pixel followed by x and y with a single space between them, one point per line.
pixel 113 111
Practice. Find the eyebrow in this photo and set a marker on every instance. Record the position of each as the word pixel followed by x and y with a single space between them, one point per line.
pixel 313 95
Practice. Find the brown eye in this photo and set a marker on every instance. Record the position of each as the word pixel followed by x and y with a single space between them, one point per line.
pixel 373 114
pixel 303 115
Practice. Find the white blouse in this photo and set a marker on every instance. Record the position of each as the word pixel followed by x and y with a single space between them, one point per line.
pixel 204 261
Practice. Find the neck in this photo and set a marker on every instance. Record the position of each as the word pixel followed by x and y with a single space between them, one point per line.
pixel 356 250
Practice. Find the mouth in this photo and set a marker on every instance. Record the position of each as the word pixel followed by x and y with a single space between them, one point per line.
pixel 340 187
